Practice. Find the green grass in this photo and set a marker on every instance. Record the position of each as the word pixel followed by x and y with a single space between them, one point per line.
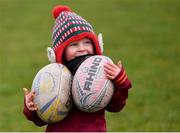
pixel 144 34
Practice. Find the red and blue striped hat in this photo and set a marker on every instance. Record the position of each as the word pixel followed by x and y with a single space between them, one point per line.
pixel 70 27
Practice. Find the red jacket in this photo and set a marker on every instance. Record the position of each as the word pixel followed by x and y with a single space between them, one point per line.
pixel 79 121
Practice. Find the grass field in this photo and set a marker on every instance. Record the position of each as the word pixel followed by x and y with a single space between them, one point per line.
pixel 144 34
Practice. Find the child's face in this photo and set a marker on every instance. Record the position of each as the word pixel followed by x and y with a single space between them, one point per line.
pixel 78 48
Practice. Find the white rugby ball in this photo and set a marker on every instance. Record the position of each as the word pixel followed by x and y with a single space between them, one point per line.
pixel 52 86
pixel 91 90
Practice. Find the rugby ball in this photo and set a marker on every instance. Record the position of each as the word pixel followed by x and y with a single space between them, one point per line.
pixel 52 86
pixel 91 90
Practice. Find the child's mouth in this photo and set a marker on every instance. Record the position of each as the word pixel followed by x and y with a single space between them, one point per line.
pixel 81 54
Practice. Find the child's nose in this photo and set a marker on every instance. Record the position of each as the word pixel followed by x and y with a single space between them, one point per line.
pixel 81 47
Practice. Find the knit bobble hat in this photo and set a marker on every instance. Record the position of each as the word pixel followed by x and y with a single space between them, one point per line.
pixel 70 27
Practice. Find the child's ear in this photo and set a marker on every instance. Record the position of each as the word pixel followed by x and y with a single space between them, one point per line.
pixel 100 39
pixel 51 55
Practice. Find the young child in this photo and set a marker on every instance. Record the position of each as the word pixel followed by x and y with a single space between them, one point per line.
pixel 73 42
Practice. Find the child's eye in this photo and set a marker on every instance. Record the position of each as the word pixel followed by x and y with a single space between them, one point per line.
pixel 87 42
pixel 73 44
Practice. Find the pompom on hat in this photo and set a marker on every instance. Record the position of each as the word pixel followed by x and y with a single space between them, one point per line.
pixel 70 27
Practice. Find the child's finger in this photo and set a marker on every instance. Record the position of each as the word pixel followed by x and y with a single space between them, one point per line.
pixel 30 104
pixel 107 66
pixel 33 108
pixel 119 64
pixel 26 91
pixel 32 95
pixel 110 76
pixel 112 65
pixel 109 71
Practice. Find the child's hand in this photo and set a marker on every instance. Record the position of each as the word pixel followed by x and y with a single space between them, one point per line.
pixel 29 97
pixel 112 70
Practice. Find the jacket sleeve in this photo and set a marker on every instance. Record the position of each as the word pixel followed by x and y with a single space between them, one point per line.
pixel 122 84
pixel 32 116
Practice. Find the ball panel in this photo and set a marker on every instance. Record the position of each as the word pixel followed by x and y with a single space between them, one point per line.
pixel 91 89
pixel 52 85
